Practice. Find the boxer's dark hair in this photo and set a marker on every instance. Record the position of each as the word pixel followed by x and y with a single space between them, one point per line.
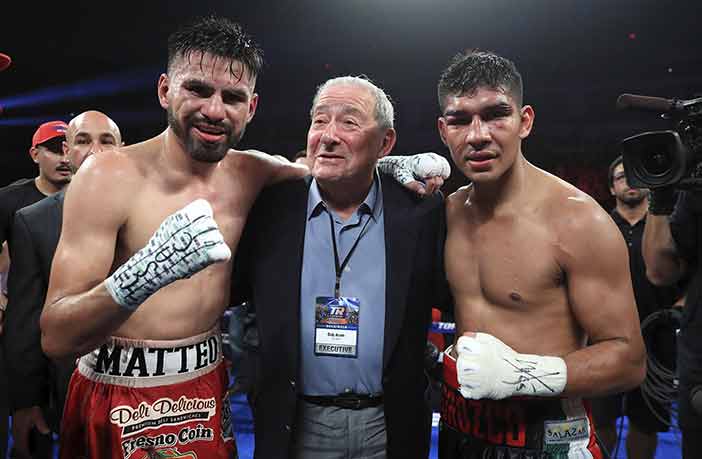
pixel 474 69
pixel 610 175
pixel 220 37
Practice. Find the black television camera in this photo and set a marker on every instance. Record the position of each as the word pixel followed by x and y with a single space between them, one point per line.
pixel 664 158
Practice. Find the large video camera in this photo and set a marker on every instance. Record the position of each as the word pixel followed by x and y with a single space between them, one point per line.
pixel 664 158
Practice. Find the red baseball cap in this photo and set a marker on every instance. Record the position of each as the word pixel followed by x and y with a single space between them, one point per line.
pixel 48 131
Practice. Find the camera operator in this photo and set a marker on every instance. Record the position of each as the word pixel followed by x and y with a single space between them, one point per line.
pixel 672 245
pixel 646 418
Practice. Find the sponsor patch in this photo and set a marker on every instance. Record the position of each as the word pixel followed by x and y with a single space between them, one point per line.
pixel 163 445
pixel 497 422
pixel 563 432
pixel 162 412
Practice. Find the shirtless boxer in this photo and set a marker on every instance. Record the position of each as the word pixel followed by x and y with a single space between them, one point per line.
pixel 535 267
pixel 140 224
pixel 138 219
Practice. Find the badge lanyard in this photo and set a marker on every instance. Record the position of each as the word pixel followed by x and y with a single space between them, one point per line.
pixel 340 267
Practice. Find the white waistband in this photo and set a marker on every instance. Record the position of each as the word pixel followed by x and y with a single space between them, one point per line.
pixel 150 363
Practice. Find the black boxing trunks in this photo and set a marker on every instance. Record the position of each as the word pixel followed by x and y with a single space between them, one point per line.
pixel 135 399
pixel 514 428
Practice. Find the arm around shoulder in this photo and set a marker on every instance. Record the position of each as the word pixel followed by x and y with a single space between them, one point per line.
pixel 273 168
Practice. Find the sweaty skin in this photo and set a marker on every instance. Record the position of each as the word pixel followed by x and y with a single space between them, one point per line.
pixel 542 275
pixel 120 197
pixel 532 260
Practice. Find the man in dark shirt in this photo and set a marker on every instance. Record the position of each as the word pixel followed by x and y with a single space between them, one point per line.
pixel 46 151
pixel 630 216
pixel 54 174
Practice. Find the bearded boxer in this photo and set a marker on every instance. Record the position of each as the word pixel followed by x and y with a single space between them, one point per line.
pixel 536 267
pixel 143 259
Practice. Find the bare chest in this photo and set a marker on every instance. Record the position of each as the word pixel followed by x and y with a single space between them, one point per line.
pixel 507 261
pixel 153 205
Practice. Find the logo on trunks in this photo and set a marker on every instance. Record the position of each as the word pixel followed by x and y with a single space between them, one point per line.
pixel 163 411
pixel 167 441
pixel 496 422
pixel 560 432
pixel 169 453
pixel 141 362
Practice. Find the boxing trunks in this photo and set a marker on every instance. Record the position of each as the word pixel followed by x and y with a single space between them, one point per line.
pixel 514 428
pixel 135 399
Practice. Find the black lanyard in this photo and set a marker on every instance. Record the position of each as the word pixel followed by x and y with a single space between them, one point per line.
pixel 340 268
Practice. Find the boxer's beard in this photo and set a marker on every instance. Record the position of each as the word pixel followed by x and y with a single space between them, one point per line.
pixel 198 149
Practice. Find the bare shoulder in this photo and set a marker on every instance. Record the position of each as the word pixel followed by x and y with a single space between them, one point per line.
pixel 106 182
pixel 571 207
pixel 264 168
pixel 457 199
pixel 246 166
pixel 582 226
pixel 107 169
pixel 248 159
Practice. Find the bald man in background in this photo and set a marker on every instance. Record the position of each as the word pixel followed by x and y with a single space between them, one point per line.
pixel 37 385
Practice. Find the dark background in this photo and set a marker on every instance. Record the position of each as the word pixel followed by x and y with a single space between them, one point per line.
pixel 576 57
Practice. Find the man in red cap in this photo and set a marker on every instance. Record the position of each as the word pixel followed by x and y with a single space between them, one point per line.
pixel 54 174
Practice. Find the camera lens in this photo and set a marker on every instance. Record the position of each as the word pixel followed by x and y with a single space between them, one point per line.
pixel 657 163
pixel 654 159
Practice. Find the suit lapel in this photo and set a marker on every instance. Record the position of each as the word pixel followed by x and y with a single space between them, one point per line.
pixel 289 238
pixel 57 216
pixel 51 224
pixel 400 239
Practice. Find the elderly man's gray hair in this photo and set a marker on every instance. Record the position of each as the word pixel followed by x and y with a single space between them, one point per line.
pixel 384 111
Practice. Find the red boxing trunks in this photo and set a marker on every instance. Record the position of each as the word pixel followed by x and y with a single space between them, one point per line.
pixel 135 399
pixel 519 427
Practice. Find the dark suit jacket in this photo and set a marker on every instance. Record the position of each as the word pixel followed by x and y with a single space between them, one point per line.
pixel 268 272
pixel 34 380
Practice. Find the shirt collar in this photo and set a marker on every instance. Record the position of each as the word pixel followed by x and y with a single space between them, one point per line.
pixel 619 220
pixel 370 205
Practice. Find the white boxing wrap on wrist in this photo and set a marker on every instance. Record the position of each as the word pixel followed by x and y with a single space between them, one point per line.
pixel 488 368
pixel 186 242
pixel 421 166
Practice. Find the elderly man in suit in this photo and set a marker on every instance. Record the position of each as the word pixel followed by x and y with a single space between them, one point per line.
pixel 342 268
pixel 38 385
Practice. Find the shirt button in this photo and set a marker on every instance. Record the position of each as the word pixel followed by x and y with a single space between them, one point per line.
pixel 348 390
pixel 287 427
pixel 292 384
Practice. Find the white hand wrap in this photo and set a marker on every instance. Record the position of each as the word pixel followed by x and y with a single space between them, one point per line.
pixel 421 166
pixel 488 368
pixel 186 242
